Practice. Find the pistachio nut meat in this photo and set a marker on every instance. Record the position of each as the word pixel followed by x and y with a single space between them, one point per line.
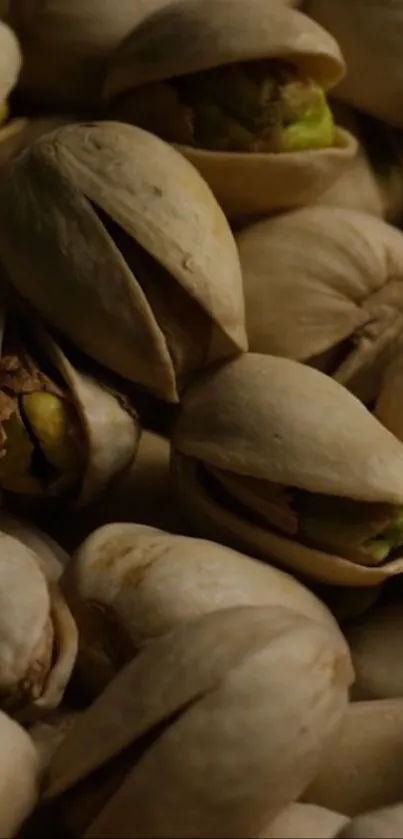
pixel 128 584
pixel 38 635
pixel 277 457
pixel 63 434
pixel 324 286
pixel 134 260
pixel 193 737
pixel 241 90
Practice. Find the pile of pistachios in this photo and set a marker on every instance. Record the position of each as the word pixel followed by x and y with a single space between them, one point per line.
pixel 201 419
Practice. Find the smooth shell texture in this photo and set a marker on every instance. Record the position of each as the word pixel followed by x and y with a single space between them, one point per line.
pixel 304 821
pixel 24 613
pixel 157 198
pixel 380 824
pixel 357 188
pixel 10 60
pixel 275 419
pixel 19 776
pixel 314 277
pixel 363 766
pixel 144 582
pixel 376 646
pixel 213 521
pixel 53 557
pixel 236 752
pixel 369 34
pixel 194 35
pixel 66 44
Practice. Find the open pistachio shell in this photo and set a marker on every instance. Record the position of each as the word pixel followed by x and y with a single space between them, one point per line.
pixel 38 634
pixel 324 286
pixel 19 776
pixel 134 259
pixel 363 766
pixel 264 419
pixel 379 824
pixel 304 821
pixel 223 752
pixel 376 646
pixel 66 44
pixel 369 35
pixel 195 35
pixel 128 584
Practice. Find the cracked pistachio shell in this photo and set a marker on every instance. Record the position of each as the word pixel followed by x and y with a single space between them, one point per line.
pixel 273 419
pixel 224 753
pixel 52 556
pixel 66 44
pixel 195 35
pixel 18 134
pixel 379 824
pixel 389 403
pixel 129 583
pixel 111 430
pixel 318 277
pixel 304 821
pixel 369 34
pixel 363 766
pixel 19 776
pixel 38 636
pixel 375 642
pixel 180 305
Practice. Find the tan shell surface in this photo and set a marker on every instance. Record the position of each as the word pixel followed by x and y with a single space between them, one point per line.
pixel 150 190
pixel 64 655
pixel 275 419
pixel 178 670
pixel 146 582
pixel 363 766
pixel 12 136
pixel 376 646
pixel 52 556
pixel 307 275
pixel 210 520
pixel 24 614
pixel 19 776
pixel 193 35
pixel 357 188
pixel 304 821
pixel 10 60
pixel 379 824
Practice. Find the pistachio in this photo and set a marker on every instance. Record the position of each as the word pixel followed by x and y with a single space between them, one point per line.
pixel 128 584
pixel 305 821
pixel 245 103
pixel 134 261
pixel 193 737
pixel 278 458
pixel 378 824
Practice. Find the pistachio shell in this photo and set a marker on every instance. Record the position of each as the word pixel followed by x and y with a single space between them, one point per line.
pixel 128 584
pixel 369 35
pixel 48 734
pixel 320 276
pixel 375 643
pixel 12 139
pixel 19 776
pixel 389 407
pixel 380 824
pixel 10 60
pixel 236 752
pixel 304 821
pixel 158 200
pixel 38 636
pixel 242 183
pixel 213 521
pixel 278 420
pixel 363 766
pixel 52 556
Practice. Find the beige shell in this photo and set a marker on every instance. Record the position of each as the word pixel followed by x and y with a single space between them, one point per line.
pixel 370 38
pixel 379 824
pixel 10 61
pixel 376 647
pixel 194 35
pixel 66 44
pixel 230 753
pixel 48 734
pixel 53 557
pixel 318 277
pixel 259 417
pixel 176 311
pixel 304 821
pixel 128 584
pixel 19 776
pixel 363 766
pixel 38 636
pixel 18 134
